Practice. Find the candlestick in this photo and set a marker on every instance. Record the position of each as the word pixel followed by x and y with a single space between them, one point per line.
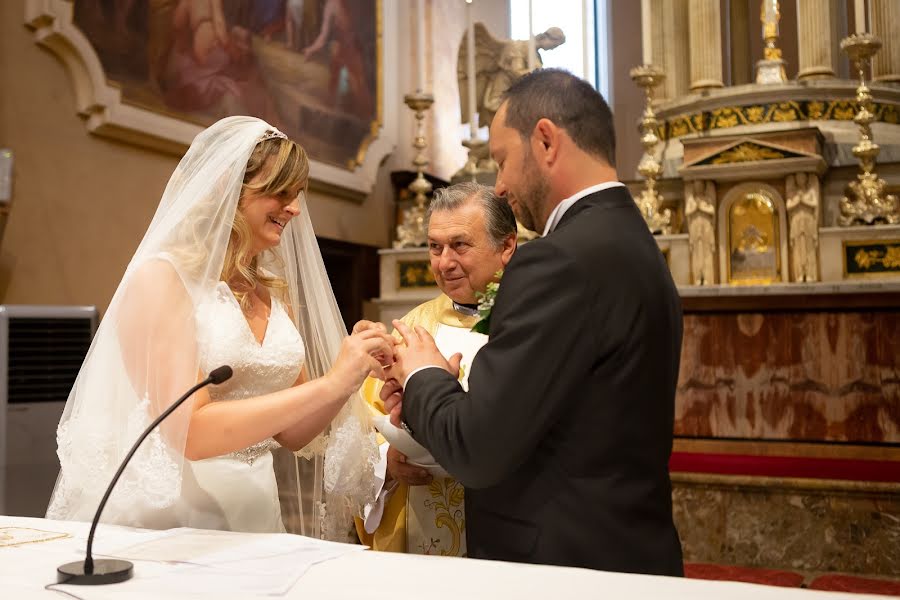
pixel 470 72
pixel 646 33
pixel 866 202
pixel 411 232
pixel 532 49
pixel 420 45
pixel 771 68
pixel 649 202
pixel 859 14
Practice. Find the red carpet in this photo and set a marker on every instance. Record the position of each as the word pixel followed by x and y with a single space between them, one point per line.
pixel 786 466
pixel 860 585
pixel 745 574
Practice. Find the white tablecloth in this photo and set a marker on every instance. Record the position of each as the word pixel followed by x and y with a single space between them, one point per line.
pixel 26 569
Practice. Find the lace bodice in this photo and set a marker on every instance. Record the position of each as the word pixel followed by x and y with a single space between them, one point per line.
pixel 258 368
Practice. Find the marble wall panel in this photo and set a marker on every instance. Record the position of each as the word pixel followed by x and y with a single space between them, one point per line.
pixel 784 527
pixel 805 376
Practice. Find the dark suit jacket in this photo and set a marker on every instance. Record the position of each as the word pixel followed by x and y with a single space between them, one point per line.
pixel 564 437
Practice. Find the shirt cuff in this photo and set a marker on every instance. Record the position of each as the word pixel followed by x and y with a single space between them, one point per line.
pixel 408 377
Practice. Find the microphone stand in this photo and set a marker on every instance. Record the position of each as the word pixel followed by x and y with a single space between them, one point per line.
pixel 108 570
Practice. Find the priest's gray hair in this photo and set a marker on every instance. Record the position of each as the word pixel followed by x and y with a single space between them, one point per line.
pixel 499 219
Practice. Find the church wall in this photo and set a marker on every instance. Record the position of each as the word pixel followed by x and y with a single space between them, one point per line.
pixel 81 202
pixel 627 101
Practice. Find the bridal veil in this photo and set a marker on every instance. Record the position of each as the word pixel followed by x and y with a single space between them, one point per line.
pixel 146 353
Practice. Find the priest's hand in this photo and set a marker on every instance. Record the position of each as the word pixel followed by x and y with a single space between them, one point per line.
pixel 399 470
pixel 392 395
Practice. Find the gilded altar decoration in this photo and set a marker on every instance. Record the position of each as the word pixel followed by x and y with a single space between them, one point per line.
pixel 871 259
pixel 753 244
pixel 866 202
pixel 773 112
pixel 746 152
pixel 413 274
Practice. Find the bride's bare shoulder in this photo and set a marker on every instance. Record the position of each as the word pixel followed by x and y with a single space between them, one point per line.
pixel 156 277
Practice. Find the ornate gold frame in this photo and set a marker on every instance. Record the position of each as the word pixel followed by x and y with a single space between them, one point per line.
pixel 866 242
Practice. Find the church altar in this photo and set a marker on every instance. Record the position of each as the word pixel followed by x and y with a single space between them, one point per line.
pixel 25 569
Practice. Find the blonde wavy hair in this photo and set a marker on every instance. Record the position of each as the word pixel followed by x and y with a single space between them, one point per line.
pixel 283 166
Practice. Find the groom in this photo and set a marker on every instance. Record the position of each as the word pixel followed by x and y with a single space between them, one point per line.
pixel 564 436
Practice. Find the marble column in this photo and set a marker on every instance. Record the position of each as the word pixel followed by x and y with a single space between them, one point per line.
pixel 885 19
pixel 705 26
pixel 815 27
pixel 670 26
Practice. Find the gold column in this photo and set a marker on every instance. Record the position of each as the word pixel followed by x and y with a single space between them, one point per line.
pixel 885 18
pixel 817 56
pixel 705 28
pixel 674 57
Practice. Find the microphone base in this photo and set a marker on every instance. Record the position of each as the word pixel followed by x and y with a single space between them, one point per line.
pixel 106 570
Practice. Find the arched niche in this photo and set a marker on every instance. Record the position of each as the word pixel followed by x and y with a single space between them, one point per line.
pixel 752 233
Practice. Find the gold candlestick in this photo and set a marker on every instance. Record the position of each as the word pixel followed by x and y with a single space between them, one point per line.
pixel 411 232
pixel 649 202
pixel 771 68
pixel 476 148
pixel 865 201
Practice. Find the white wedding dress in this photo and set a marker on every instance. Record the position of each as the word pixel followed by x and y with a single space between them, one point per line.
pixel 238 492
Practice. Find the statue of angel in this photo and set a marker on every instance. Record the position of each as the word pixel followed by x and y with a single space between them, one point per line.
pixel 498 63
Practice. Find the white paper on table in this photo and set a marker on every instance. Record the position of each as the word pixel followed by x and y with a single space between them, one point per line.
pixel 202 561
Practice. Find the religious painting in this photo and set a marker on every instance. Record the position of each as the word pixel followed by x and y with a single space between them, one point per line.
pixel 310 67
pixel 753 244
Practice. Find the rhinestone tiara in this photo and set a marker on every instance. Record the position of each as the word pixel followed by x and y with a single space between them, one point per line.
pixel 272 133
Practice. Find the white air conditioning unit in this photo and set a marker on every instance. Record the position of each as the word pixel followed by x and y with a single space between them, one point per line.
pixel 41 351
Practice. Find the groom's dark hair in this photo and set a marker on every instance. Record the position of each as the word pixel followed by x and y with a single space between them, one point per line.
pixel 570 102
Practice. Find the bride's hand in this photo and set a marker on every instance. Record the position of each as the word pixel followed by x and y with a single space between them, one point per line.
pixel 385 361
pixel 361 353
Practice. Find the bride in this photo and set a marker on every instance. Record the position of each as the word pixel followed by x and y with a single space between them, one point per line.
pixel 229 272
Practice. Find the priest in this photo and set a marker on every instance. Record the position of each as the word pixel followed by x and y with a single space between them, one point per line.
pixel 471 237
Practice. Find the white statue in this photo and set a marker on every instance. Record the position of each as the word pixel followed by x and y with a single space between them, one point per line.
pixel 498 63
pixel 802 190
pixel 700 213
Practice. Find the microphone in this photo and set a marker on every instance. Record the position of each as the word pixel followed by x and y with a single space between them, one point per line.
pixel 106 570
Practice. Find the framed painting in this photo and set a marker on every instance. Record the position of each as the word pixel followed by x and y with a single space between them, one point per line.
pixel 155 72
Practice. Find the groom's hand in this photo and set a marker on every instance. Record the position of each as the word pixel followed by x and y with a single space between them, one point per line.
pixel 419 351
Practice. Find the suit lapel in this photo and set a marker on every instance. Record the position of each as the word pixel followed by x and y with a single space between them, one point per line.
pixel 610 198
